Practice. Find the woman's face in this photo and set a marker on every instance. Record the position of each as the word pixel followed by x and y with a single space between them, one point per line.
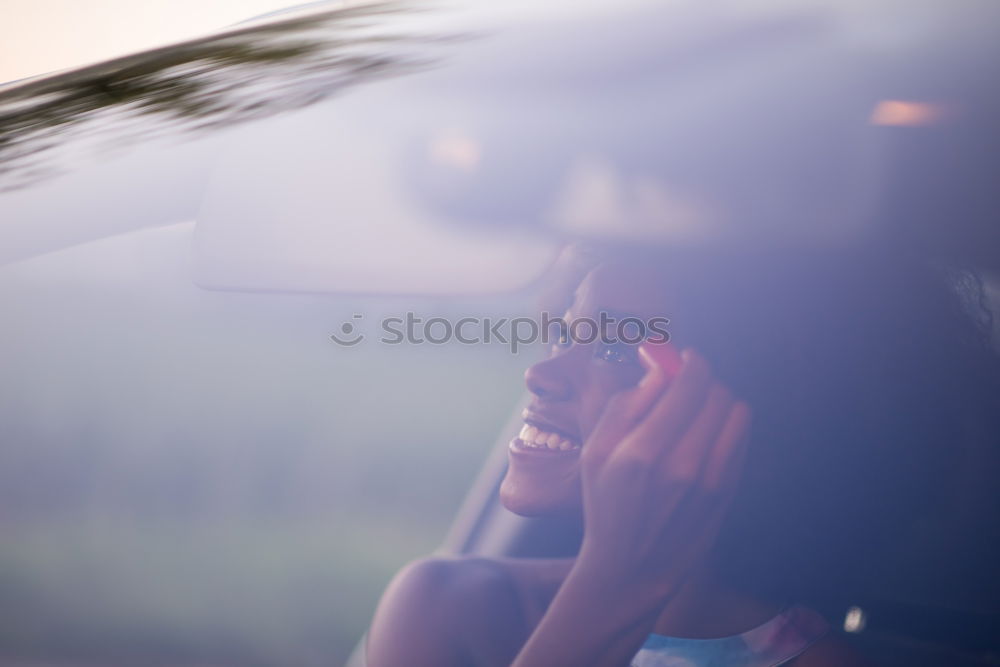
pixel 572 386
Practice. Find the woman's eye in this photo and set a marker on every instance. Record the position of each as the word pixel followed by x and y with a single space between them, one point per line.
pixel 615 353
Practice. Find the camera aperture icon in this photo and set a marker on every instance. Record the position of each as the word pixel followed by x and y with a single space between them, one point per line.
pixel 348 333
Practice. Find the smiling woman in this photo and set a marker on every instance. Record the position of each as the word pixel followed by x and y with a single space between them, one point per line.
pixel 697 525
pixel 771 177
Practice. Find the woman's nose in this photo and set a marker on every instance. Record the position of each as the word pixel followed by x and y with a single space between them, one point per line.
pixel 547 380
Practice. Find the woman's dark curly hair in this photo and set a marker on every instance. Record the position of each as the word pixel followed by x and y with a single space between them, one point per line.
pixel 868 370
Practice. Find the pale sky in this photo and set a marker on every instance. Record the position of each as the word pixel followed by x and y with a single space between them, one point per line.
pixel 39 36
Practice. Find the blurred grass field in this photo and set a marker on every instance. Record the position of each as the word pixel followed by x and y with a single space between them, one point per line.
pixel 198 478
pixel 225 592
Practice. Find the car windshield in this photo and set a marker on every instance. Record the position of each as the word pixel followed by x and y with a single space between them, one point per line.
pixel 270 294
pixel 197 475
pixel 207 475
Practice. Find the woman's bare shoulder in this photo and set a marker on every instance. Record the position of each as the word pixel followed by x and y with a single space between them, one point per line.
pixel 471 573
pixel 456 610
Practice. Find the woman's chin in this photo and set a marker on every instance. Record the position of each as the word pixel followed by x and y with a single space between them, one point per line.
pixel 529 500
pixel 519 504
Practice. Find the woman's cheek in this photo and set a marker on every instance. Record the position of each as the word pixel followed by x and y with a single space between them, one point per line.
pixel 619 377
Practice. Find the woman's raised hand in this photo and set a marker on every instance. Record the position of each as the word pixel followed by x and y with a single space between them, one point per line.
pixel 658 473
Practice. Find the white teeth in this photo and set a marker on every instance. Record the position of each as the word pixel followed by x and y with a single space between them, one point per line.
pixel 532 436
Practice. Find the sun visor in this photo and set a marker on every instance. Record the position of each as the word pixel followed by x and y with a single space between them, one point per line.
pixel 310 202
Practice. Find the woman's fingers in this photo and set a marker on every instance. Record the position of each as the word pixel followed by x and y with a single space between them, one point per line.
pixel 689 458
pixel 662 355
pixel 672 413
pixel 622 413
pixel 689 425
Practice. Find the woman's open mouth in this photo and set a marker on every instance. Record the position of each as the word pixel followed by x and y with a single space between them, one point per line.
pixel 535 439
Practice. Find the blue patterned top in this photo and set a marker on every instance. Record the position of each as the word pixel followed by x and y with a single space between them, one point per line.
pixel 775 642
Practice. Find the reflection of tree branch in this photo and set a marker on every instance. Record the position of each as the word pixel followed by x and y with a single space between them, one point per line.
pixel 242 74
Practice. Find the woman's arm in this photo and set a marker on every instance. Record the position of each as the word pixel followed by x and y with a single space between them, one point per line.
pixel 590 623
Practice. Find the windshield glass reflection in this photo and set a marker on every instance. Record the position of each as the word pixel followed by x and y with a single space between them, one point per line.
pixel 240 75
